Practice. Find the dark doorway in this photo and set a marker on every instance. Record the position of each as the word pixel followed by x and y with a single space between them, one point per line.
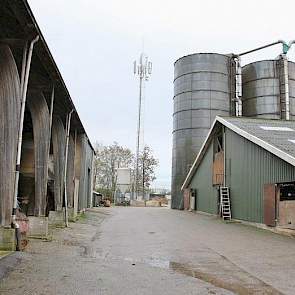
pixel 286 205
pixel 26 186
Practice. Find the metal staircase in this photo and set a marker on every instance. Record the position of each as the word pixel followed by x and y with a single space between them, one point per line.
pixel 225 208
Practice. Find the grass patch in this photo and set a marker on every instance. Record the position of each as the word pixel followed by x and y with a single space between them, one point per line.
pixel 81 216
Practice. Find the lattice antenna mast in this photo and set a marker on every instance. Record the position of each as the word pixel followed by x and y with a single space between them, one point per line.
pixel 142 69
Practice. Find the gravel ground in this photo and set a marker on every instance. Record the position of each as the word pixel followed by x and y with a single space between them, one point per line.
pixel 154 251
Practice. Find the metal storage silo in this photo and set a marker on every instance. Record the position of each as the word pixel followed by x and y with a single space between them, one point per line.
pixel 269 89
pixel 202 87
pixel 291 74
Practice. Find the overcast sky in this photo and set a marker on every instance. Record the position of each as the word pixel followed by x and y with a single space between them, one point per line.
pixel 95 42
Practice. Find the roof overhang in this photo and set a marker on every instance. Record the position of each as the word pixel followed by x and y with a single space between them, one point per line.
pixel 18 25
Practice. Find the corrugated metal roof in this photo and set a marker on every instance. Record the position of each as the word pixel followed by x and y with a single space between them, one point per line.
pixel 278 132
pixel 275 136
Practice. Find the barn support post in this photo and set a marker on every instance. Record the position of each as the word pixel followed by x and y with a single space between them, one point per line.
pixel 9 117
pixel 73 211
pixel 50 127
pixel 24 89
pixel 66 164
pixel 76 176
pixel 92 180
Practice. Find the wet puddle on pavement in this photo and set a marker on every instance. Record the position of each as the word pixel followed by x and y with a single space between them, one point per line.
pixel 229 277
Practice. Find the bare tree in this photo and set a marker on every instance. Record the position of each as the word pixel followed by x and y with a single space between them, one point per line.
pixel 147 165
pixel 108 159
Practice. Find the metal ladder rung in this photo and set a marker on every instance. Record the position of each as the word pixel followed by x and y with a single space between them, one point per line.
pixel 225 203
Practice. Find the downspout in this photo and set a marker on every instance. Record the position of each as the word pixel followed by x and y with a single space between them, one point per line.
pixel 24 87
pixel 286 113
pixel 238 86
pixel 24 61
pixel 224 156
pixel 66 164
pixel 51 113
pixel 286 78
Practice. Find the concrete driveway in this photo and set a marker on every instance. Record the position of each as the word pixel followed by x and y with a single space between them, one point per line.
pixel 155 251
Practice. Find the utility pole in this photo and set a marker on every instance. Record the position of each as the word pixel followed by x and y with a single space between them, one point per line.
pixel 143 159
pixel 143 70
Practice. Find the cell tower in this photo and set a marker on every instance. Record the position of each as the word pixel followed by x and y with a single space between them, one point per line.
pixel 142 69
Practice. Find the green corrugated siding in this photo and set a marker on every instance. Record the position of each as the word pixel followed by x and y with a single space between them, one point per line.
pixel 202 182
pixel 248 168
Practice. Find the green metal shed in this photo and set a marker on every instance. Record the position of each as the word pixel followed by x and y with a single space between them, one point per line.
pixel 247 155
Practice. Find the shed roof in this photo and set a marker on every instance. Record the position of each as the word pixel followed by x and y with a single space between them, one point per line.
pixel 275 136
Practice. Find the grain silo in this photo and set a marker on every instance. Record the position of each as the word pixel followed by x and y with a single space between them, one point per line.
pixel 269 89
pixel 203 86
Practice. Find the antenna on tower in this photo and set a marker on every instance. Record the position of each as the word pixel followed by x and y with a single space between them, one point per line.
pixel 142 69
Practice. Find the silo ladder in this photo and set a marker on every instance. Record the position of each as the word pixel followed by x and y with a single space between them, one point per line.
pixel 225 203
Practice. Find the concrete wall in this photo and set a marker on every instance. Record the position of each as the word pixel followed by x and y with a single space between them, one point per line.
pixel 7 239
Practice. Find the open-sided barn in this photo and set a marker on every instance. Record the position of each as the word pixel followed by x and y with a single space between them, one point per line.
pixel 46 158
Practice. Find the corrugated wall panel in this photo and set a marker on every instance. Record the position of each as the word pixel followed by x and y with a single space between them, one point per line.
pixel 71 172
pixel 40 117
pixel 202 182
pixel 248 168
pixel 59 142
pixel 82 184
pixel 9 122
pixel 85 186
